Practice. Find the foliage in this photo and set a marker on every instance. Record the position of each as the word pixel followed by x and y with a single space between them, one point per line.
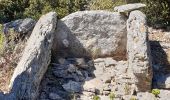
pixel 14 9
pixel 157 11
pixel 1 39
pixel 105 4
pixel 133 98
pixel 127 89
pixel 96 97
pixel 111 96
pixel 155 92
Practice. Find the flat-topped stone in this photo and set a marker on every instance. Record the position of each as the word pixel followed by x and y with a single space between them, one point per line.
pixel 91 34
pixel 129 7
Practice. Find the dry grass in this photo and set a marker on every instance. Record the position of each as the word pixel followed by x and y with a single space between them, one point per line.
pixel 8 62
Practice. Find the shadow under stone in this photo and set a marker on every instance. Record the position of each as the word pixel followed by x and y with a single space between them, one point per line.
pixel 161 65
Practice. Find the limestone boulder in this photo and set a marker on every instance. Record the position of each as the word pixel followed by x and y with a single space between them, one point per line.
pixel 91 33
pixel 129 7
pixel 72 87
pixel 145 96
pixel 26 25
pixel 36 57
pixel 138 51
pixel 20 25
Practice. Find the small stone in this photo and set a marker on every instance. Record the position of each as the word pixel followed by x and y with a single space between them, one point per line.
pixel 88 93
pixel 107 88
pixel 98 60
pixel 81 63
pixel 61 60
pixel 72 87
pixel 109 62
pixel 93 85
pixel 99 69
pixel 106 92
pixel 90 63
pixel 71 68
pixel 55 96
pixel 106 78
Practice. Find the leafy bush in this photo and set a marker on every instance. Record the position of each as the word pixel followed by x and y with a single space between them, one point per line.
pixel 155 92
pixel 133 98
pixel 105 4
pixel 157 11
pixel 96 97
pixel 1 39
pixel 111 96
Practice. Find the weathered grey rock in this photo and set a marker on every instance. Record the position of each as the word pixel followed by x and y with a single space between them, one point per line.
pixel 110 62
pixel 17 31
pixel 36 57
pixel 129 7
pixel 145 96
pixel 55 96
pixel 72 68
pixel 93 85
pixel 72 87
pixel 164 95
pixel 138 51
pixel 26 25
pixel 62 61
pixel 20 25
pixel 91 34
pixel 14 24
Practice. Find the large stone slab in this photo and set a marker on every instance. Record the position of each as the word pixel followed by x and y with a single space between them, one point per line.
pixel 91 33
pixel 129 7
pixel 138 51
pixel 35 60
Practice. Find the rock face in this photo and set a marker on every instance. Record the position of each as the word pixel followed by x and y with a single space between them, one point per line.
pixel 17 31
pixel 20 26
pixel 129 7
pixel 35 60
pixel 139 51
pixel 91 34
pixel 26 25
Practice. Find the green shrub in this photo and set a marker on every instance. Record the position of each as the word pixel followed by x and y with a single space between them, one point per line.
pixel 133 98
pixel 111 96
pixel 1 39
pixel 96 97
pixel 155 92
pixel 105 4
pixel 14 9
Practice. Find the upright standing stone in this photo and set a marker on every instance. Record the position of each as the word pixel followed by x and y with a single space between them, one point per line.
pixel 35 60
pixel 139 51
